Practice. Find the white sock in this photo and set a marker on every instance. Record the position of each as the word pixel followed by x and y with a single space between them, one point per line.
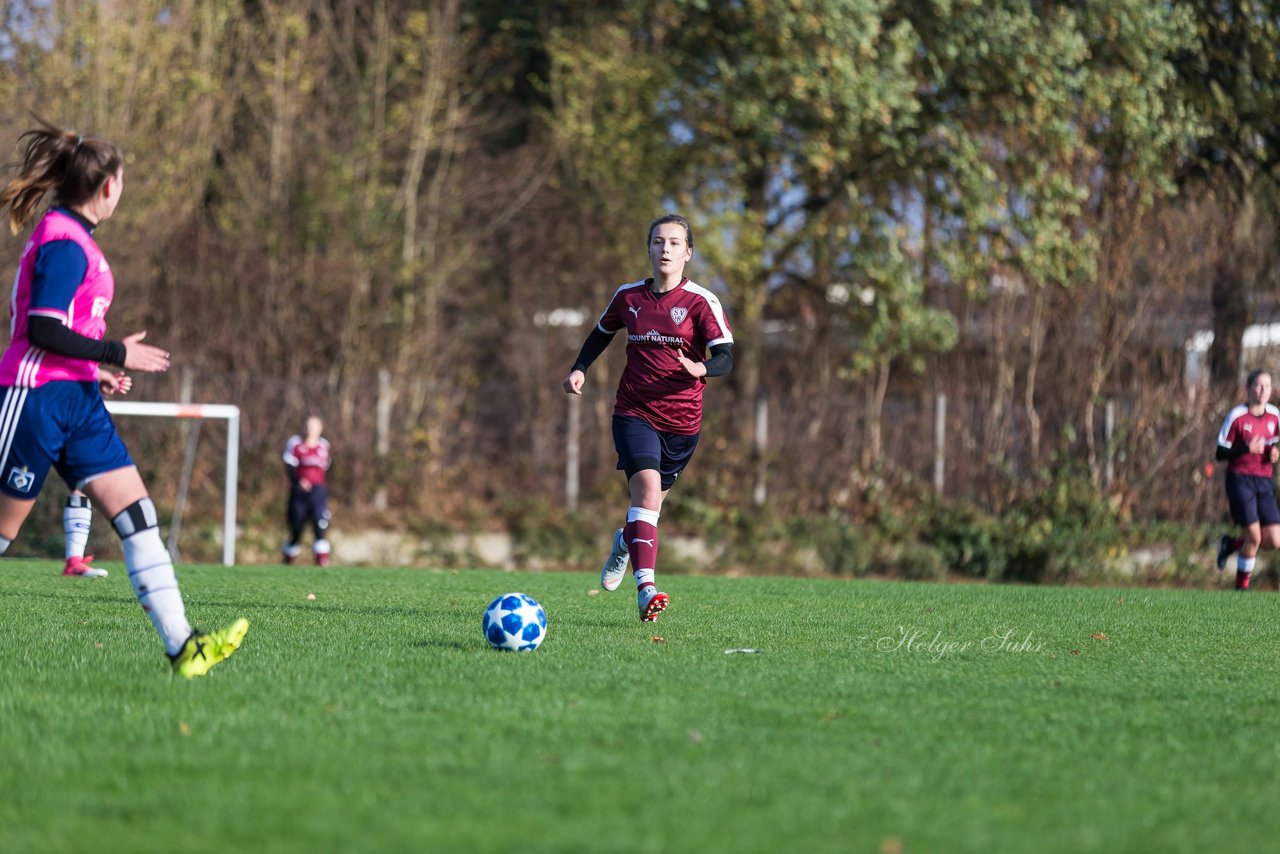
pixel 151 573
pixel 77 516
pixel 1245 564
pixel 643 515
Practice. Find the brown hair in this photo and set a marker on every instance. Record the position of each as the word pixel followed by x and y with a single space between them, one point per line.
pixel 678 220
pixel 71 165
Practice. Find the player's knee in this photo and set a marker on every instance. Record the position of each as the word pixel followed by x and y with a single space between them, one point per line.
pixel 646 484
pixel 138 516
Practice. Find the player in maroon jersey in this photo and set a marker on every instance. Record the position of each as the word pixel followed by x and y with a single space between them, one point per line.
pixel 671 324
pixel 1248 439
pixel 306 460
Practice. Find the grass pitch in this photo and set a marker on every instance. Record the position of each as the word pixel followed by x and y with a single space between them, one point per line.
pixel 875 717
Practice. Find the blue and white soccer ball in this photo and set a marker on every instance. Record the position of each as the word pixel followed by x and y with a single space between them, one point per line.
pixel 516 622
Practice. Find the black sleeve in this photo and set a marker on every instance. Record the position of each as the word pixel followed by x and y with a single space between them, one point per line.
pixel 595 344
pixel 48 333
pixel 721 361
pixel 1231 453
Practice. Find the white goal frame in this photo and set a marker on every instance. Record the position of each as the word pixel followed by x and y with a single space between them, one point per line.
pixel 202 411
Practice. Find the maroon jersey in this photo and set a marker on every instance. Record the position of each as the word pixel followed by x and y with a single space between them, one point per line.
pixel 1240 428
pixel 685 320
pixel 311 461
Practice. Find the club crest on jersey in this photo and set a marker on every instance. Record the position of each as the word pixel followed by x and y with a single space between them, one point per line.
pixel 20 479
pixel 678 314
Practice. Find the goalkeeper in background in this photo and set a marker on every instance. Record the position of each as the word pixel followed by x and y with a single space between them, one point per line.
pixel 306 459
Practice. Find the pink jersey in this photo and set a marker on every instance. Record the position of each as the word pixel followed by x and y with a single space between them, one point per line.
pixel 311 461
pixel 1240 428
pixel 28 366
pixel 660 327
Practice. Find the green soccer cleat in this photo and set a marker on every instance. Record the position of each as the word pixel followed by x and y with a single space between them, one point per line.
pixel 205 649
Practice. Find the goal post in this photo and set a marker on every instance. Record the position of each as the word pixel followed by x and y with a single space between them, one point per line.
pixel 202 411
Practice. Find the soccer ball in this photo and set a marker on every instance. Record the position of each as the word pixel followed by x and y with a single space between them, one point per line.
pixel 516 622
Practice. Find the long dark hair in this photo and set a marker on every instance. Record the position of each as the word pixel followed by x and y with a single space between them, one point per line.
pixel 71 165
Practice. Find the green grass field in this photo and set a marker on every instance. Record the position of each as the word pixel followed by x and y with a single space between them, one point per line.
pixel 877 717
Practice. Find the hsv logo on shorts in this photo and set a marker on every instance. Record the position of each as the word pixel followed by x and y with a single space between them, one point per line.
pixel 20 479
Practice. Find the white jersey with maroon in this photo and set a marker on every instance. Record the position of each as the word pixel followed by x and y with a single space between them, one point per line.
pixel 311 461
pixel 1240 428
pixel 27 366
pixel 685 320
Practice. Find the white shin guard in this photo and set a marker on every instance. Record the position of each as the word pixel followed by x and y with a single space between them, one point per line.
pixel 151 574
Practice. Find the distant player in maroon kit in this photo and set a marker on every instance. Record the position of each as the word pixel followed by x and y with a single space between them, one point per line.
pixel 306 459
pixel 671 324
pixel 1248 439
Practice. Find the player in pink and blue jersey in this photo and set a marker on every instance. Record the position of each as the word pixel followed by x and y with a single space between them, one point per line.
pixel 51 410
pixel 671 325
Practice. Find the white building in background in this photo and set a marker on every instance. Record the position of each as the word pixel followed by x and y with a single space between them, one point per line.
pixel 1261 349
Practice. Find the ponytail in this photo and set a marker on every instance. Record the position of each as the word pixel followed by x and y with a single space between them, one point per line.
pixel 70 165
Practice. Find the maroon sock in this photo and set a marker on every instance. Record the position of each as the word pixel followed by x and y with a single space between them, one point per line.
pixel 642 543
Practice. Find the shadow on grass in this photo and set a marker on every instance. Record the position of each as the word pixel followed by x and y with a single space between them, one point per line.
pixel 373 610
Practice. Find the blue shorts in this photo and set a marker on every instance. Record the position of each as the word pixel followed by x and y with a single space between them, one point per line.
pixel 1252 499
pixel 640 446
pixel 61 424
